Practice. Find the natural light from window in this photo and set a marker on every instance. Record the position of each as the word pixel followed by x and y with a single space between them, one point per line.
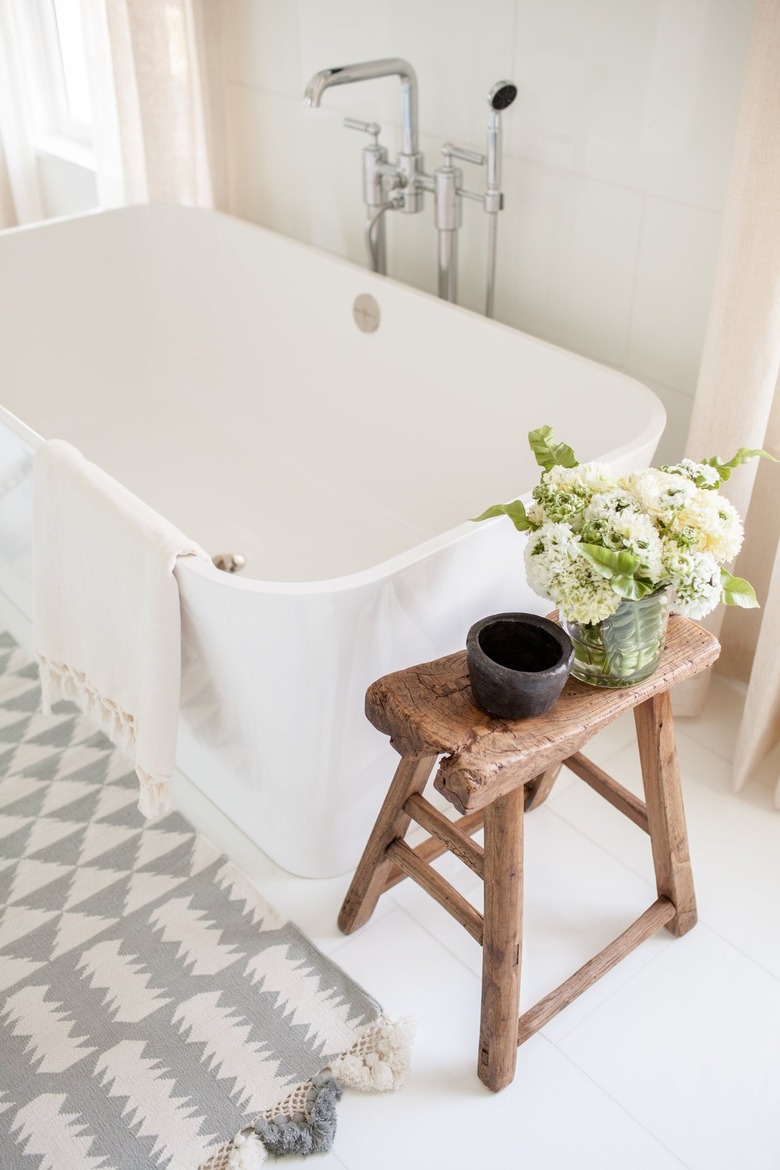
pixel 70 37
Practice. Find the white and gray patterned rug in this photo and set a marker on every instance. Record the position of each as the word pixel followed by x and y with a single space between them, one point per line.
pixel 155 1011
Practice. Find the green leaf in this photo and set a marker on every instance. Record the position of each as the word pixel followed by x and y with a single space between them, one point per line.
pixel 634 588
pixel 549 454
pixel 737 591
pixel 515 511
pixel 743 455
pixel 608 562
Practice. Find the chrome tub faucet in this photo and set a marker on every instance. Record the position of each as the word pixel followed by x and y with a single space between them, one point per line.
pixel 401 186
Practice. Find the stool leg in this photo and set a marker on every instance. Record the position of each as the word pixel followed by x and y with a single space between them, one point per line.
pixel 538 789
pixel 665 813
pixel 501 940
pixel 374 867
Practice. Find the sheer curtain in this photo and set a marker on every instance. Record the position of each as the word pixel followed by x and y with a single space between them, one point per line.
pixel 157 95
pixel 157 99
pixel 21 199
pixel 737 402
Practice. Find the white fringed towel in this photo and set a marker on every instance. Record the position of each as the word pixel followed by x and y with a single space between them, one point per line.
pixel 107 619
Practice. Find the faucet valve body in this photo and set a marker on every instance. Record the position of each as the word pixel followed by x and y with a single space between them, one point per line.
pixel 412 168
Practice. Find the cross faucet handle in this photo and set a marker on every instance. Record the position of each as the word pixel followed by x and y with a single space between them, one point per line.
pixel 372 128
pixel 449 151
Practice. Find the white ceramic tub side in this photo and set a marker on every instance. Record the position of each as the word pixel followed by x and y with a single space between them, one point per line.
pixel 216 369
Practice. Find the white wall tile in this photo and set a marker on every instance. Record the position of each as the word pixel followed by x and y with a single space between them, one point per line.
pixel 265 135
pixel 261 44
pixel 677 257
pixel 642 94
pixel 567 257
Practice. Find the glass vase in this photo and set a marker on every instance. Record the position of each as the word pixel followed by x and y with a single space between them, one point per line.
pixel 623 649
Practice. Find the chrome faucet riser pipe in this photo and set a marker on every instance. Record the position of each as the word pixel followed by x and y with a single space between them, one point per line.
pixel 375 237
pixel 448 265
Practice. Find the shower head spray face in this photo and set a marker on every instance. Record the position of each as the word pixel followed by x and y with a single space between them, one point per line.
pixel 502 95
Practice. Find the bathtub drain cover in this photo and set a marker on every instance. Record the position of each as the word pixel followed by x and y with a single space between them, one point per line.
pixel 365 310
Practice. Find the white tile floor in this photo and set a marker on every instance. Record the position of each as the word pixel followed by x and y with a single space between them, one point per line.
pixel 671 1060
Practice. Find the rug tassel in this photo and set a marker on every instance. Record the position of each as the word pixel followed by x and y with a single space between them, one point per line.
pixel 379 1060
pixel 247 1152
pixel 309 1132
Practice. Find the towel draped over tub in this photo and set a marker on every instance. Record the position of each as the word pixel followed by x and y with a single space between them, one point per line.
pixel 107 620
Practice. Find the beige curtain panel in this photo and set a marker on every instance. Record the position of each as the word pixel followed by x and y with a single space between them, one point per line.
pixel 157 99
pixel 737 397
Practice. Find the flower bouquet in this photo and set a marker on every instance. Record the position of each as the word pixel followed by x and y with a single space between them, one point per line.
pixel 615 551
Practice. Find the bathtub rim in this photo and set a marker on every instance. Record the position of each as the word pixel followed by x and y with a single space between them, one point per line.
pixel 365 577
pixel 418 553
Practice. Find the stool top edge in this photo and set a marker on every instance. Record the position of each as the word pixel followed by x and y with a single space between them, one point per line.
pixel 429 709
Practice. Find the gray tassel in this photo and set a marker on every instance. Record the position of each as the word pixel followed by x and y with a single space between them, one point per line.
pixel 283 1135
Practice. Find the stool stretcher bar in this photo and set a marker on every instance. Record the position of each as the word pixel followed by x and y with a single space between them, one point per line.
pixel 618 796
pixel 438 887
pixel 656 916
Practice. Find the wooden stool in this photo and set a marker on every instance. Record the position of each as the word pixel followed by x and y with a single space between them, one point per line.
pixel 491 771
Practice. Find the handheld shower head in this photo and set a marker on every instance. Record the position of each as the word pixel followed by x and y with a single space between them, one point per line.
pixel 501 96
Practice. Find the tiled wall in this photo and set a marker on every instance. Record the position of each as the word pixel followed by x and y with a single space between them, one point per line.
pixel 617 153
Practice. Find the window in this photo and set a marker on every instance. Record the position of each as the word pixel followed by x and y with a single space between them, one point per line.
pixel 64 66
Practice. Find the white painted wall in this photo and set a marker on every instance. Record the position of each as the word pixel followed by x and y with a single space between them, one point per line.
pixel 617 155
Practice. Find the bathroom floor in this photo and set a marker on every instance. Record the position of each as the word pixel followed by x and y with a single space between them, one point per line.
pixel 671 1060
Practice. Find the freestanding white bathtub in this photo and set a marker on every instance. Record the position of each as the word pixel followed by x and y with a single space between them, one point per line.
pixel 216 369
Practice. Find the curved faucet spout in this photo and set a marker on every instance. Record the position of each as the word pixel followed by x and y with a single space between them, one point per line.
pixel 367 71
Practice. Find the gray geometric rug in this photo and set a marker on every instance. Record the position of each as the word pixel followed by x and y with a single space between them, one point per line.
pixel 155 1011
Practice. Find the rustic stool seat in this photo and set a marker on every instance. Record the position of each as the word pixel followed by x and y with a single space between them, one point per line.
pixel 494 770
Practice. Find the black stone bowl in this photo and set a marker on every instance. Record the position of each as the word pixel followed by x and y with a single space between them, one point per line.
pixel 518 664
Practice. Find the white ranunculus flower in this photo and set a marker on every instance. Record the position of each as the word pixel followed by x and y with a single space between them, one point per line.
pixel 595 477
pixel 535 513
pixel 702 474
pixel 659 493
pixel 583 595
pixel 548 554
pixel 695 578
pixel 607 505
pixel 640 537
pixel 716 523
